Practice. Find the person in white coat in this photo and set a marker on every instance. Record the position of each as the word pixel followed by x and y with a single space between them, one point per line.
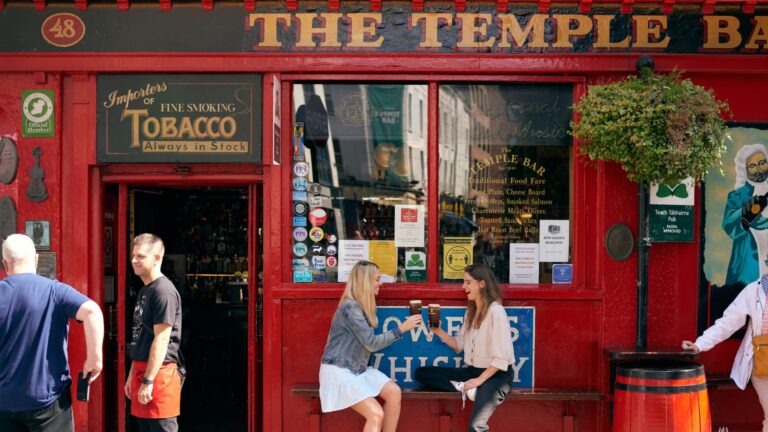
pixel 750 303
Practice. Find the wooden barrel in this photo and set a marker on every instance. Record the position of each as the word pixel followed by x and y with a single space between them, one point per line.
pixel 661 396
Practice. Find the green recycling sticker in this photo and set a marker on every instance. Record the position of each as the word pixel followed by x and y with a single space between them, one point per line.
pixel 37 113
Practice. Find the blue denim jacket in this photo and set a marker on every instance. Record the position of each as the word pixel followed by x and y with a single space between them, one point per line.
pixel 351 339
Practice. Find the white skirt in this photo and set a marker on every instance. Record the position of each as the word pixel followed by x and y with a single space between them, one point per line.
pixel 341 388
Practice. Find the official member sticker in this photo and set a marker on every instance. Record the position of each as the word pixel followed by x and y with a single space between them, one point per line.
pixel 331 250
pixel 318 262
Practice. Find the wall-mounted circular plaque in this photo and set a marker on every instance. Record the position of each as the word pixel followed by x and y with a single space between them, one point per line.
pixel 619 242
pixel 9 160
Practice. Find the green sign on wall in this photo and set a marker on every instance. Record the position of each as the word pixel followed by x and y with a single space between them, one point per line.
pixel 37 113
pixel 671 212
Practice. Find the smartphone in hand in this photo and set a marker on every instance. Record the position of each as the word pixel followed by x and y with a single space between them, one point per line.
pixel 83 387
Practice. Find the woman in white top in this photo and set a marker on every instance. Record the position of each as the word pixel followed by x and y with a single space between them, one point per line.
pixel 750 303
pixel 485 337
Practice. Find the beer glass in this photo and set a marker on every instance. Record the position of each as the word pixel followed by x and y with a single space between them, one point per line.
pixel 415 307
pixel 434 315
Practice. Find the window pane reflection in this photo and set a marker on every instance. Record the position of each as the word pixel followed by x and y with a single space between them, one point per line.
pixel 360 157
pixel 505 166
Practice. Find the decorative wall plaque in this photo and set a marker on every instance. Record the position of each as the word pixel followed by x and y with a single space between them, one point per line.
pixel 37 191
pixel 46 264
pixel 8 217
pixel 40 233
pixel 9 160
pixel 619 242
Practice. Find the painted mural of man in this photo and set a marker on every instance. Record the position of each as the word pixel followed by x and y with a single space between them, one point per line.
pixel 746 215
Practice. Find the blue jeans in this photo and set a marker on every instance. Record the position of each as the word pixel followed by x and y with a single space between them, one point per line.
pixel 56 417
pixel 489 395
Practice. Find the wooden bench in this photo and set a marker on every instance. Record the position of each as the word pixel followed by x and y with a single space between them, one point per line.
pixel 722 382
pixel 536 394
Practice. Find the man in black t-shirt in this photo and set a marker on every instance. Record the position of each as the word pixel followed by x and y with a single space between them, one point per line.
pixel 154 384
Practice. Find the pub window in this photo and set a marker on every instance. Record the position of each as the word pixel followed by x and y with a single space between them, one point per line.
pixel 508 204
pixel 373 208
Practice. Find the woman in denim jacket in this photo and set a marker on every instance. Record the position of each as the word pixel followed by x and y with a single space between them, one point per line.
pixel 346 380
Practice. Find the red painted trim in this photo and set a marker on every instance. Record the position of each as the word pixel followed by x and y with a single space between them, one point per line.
pixel 122 259
pixel 250 5
pixel 207 5
pixel 375 5
pixel 284 181
pixel 81 5
pixel 430 77
pixel 39 5
pixel 96 408
pixel 749 6
pixel 165 5
pixel 627 6
pixel 433 191
pixel 667 6
pixel 333 5
pixel 708 7
pixel 384 64
pixel 459 5
pixel 2 4
pixel 254 396
pixel 123 5
pixel 585 6
pixel 502 6
pixel 437 291
pixel 182 180
pixel 543 6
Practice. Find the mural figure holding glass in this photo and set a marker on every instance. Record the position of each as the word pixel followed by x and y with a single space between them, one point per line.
pixel 746 217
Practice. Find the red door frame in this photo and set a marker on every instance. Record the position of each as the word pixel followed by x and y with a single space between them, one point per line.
pixel 125 180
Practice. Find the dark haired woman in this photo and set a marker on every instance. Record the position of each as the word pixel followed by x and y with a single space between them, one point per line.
pixel 485 337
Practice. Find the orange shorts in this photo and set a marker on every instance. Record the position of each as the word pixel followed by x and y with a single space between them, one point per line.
pixel 166 392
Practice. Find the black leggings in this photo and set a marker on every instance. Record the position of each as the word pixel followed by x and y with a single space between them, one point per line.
pixel 489 395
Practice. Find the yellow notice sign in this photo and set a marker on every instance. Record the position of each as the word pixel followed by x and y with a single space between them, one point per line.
pixel 457 255
pixel 384 254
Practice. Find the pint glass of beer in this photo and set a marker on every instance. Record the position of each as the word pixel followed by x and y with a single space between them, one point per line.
pixel 434 315
pixel 415 307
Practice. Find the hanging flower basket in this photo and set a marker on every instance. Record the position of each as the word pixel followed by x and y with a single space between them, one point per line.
pixel 659 128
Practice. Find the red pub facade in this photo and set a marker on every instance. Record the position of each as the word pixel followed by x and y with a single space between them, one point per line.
pixel 272 144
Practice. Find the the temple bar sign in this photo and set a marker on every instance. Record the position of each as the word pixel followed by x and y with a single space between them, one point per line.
pixel 179 118
pixel 504 32
pixel 396 28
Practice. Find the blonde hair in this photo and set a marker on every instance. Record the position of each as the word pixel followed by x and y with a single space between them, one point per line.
pixel 360 289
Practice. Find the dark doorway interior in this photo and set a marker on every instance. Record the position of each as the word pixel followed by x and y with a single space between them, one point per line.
pixel 206 239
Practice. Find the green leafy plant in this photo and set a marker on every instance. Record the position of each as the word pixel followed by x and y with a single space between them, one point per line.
pixel 659 128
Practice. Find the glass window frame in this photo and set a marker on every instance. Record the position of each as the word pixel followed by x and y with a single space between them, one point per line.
pixel 578 184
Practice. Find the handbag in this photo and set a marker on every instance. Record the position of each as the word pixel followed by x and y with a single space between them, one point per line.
pixel 760 356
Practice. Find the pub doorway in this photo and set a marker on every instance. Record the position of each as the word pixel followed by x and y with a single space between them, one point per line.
pixel 211 236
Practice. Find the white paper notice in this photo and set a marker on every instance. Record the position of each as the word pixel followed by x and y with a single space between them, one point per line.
pixel 350 252
pixel 554 240
pixel 409 226
pixel 523 263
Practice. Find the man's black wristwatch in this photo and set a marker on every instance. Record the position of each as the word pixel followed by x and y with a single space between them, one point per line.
pixel 146 381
